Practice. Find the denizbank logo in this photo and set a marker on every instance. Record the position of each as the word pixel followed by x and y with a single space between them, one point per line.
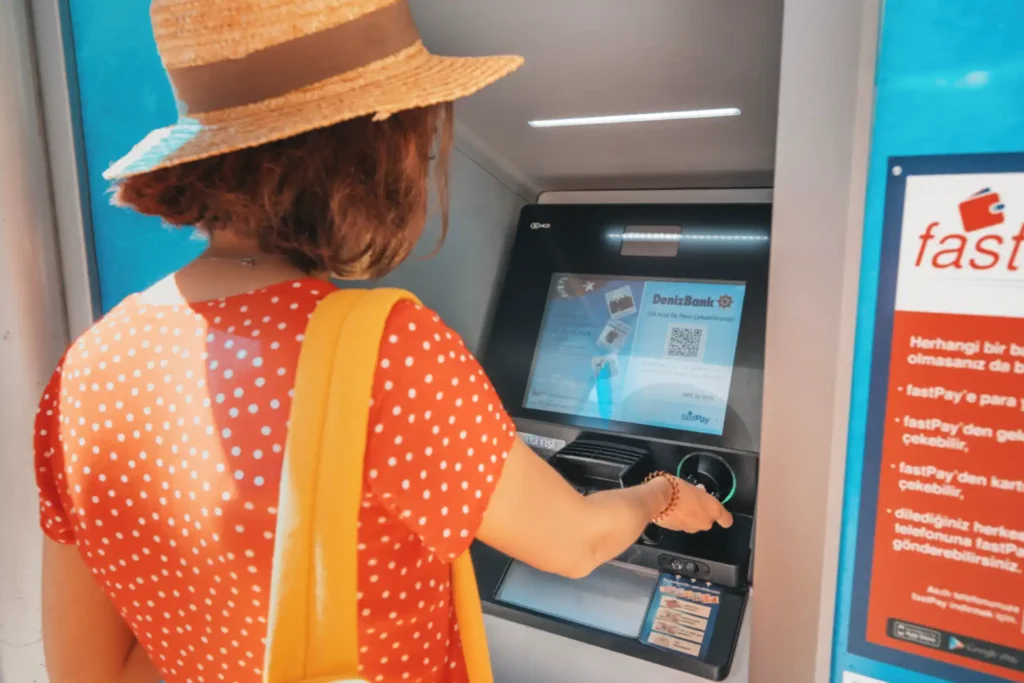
pixel 724 301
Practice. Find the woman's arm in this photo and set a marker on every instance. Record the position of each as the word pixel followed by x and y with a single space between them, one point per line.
pixel 84 638
pixel 535 516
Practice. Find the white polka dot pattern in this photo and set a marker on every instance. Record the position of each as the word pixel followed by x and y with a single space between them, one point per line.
pixel 159 444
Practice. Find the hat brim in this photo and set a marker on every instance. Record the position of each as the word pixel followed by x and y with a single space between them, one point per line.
pixel 411 79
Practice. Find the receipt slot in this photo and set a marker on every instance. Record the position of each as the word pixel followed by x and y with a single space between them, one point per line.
pixel 630 339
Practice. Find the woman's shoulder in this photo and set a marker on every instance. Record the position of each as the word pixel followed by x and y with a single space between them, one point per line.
pixel 421 320
pixel 127 328
pixel 89 347
pixel 417 337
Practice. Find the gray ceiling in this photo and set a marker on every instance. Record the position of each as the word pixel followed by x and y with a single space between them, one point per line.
pixel 593 57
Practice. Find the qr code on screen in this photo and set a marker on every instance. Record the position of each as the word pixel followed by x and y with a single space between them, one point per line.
pixel 685 342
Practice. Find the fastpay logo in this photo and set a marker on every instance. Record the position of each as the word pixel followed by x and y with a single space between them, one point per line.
pixel 983 209
pixel 982 242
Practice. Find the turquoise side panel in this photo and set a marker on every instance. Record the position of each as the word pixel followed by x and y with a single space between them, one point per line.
pixel 124 94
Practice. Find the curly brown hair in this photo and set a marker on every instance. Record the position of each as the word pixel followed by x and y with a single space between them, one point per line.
pixel 350 199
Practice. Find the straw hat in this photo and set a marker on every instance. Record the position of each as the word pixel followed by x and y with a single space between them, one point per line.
pixel 248 72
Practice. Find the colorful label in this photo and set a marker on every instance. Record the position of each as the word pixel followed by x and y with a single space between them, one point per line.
pixel 682 616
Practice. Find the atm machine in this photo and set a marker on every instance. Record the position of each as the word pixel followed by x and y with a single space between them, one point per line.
pixel 628 339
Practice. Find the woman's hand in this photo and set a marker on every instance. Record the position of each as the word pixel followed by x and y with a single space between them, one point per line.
pixel 694 510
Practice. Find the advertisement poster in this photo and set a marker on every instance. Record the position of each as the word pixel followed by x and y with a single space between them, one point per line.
pixel 943 578
pixel 651 352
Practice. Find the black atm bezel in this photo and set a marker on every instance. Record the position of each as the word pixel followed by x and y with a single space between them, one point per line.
pixel 561 239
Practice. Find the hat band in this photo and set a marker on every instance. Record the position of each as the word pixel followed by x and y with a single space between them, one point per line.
pixel 280 69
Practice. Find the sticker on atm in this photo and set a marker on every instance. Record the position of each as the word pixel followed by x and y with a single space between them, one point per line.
pixel 679 631
pixel 681 616
pixel 684 606
pixel 670 643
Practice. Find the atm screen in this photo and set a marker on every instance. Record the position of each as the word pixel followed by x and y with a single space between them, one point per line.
pixel 652 352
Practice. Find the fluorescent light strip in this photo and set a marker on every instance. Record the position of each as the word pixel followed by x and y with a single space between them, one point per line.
pixel 636 118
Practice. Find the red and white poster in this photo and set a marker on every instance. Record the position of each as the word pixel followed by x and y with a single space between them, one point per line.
pixel 947 568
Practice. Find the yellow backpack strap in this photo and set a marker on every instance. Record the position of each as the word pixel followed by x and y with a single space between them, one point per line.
pixel 313 626
pixel 470 617
pixel 294 627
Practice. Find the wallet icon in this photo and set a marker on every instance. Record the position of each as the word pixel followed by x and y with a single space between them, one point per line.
pixel 983 209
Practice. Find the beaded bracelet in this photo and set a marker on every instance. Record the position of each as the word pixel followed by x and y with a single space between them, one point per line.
pixel 674 483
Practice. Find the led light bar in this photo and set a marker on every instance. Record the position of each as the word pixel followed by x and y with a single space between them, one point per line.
pixel 649 237
pixel 732 238
pixel 670 237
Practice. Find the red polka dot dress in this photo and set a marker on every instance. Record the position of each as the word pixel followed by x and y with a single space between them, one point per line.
pixel 159 444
